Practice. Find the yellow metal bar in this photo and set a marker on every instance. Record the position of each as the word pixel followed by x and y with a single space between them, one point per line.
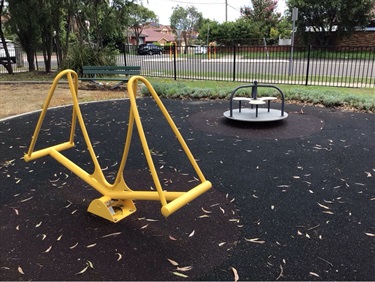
pixel 144 195
pixel 171 124
pixel 124 195
pixel 186 198
pixel 132 90
pixel 72 78
pixel 167 208
pixel 120 173
pixel 116 202
pixel 45 152
pixel 81 173
pixel 45 107
pixel 77 110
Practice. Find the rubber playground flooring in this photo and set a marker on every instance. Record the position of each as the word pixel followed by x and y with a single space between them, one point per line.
pixel 292 200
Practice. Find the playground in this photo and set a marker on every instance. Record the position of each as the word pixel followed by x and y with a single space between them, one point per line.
pixel 290 200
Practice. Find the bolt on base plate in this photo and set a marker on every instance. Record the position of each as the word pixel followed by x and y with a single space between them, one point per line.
pixel 113 210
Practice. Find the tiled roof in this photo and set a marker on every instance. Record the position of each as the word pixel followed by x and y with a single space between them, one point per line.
pixel 154 35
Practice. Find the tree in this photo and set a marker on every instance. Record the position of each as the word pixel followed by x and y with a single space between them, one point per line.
pixel 209 31
pixel 188 20
pixel 331 19
pixel 241 31
pixel 262 12
pixel 7 63
pixel 23 23
pixel 45 21
pixel 46 24
pixel 139 17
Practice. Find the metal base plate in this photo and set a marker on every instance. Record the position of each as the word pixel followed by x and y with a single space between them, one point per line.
pixel 113 210
pixel 248 114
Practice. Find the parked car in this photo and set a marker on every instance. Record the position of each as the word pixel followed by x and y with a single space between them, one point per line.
pixel 200 50
pixel 11 50
pixel 149 49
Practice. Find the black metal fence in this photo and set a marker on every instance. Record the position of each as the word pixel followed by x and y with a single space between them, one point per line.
pixel 302 65
pixel 347 66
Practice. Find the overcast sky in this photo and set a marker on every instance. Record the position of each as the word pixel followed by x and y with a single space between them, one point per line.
pixel 211 9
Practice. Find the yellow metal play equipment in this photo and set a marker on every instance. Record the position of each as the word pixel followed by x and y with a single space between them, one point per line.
pixel 117 200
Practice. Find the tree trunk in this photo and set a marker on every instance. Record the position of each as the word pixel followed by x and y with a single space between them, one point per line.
pixel 47 48
pixel 7 64
pixel 30 60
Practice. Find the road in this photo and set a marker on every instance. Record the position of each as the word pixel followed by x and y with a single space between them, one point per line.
pixel 354 73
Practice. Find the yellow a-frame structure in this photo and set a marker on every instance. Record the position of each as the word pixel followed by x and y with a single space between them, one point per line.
pixel 117 200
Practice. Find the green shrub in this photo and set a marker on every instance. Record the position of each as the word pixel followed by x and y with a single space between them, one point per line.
pixel 80 55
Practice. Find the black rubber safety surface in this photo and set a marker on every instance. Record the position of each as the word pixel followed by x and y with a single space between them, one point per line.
pixel 291 200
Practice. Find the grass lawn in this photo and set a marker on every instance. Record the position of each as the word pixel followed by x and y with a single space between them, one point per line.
pixel 362 99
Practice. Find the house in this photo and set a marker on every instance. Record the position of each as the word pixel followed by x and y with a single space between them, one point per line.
pixel 153 33
pixel 359 37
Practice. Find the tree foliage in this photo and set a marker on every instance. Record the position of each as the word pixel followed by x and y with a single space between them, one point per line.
pixel 262 12
pixel 258 21
pixel 49 25
pixel 188 20
pixel 329 20
pixel 240 32
pixel 23 23
pixel 139 17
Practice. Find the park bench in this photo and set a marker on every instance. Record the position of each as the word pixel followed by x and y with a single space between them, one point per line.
pixel 109 73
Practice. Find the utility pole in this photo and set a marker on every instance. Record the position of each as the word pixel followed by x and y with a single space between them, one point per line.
pixel 294 18
pixel 226 10
pixel 208 35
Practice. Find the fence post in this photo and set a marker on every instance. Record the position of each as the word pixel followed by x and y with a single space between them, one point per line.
pixel 174 61
pixel 308 65
pixel 124 49
pixel 234 62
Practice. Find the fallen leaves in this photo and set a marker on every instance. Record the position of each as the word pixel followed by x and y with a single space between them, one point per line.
pixel 235 274
pixel 255 240
pixel 323 206
pixel 75 245
pixel 27 199
pixel 83 270
pixel 314 274
pixel 179 268
pixel 144 226
pixel 184 268
pixel 16 211
pixel 119 256
pixel 172 238
pixel 111 234
pixel 43 236
pixel 88 265
pixel 174 263
pixel 91 246
pixel 20 270
pixel 206 211
pixel 180 274
pixel 327 209
pixel 281 274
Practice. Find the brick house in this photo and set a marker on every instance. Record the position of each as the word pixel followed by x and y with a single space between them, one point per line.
pixel 359 37
pixel 153 33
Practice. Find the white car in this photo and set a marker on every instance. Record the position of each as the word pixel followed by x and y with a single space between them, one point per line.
pixel 200 50
pixel 11 50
